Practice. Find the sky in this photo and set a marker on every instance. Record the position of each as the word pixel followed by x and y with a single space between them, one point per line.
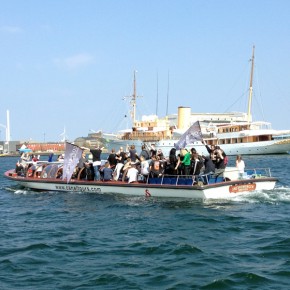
pixel 66 65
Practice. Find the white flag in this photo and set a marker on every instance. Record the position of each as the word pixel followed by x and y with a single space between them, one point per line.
pixel 72 156
pixel 191 135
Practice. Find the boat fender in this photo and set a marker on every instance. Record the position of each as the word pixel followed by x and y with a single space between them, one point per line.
pixel 29 172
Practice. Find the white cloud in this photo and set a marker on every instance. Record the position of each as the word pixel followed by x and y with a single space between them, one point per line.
pixel 11 29
pixel 75 61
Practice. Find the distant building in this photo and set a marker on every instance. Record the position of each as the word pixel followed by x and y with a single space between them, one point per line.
pixel 92 140
pixel 44 147
pixel 9 147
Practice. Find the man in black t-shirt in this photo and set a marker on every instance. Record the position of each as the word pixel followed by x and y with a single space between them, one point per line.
pixel 112 158
pixel 96 152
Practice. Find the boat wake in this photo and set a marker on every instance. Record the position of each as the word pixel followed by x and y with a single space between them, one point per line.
pixel 19 191
pixel 279 195
pixel 24 191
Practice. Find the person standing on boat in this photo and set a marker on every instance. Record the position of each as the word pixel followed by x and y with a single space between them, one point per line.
pixel 196 162
pixel 145 153
pixel 209 166
pixel 96 153
pixel 112 158
pixel 84 168
pixel 82 162
pixel 153 151
pixel 25 157
pixel 156 167
pixel 210 149
pixel 121 156
pixel 220 165
pixel 172 162
pixel 97 161
pixel 145 167
pixel 50 157
pixel 186 161
pixel 160 154
pixel 179 165
pixel 133 153
pixel 19 169
pixel 240 164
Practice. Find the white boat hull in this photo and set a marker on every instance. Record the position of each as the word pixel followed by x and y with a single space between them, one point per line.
pixel 253 148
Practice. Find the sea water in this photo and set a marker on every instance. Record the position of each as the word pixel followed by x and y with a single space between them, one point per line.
pixel 56 240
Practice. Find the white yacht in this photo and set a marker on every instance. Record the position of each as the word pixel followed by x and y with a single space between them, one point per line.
pixel 237 134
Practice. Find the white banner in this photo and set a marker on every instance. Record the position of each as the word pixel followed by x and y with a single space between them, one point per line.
pixel 191 135
pixel 72 156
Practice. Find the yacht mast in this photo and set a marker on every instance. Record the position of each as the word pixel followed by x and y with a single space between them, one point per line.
pixel 251 86
pixel 133 101
pixel 157 94
pixel 167 97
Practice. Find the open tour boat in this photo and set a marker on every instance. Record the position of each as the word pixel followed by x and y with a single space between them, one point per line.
pixel 48 177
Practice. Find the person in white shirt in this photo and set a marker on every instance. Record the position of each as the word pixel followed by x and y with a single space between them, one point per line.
pixel 240 164
pixel 144 166
pixel 132 173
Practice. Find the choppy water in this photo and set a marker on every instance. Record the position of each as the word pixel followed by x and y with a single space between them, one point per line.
pixel 54 240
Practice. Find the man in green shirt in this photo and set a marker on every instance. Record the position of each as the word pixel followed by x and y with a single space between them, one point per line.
pixel 186 162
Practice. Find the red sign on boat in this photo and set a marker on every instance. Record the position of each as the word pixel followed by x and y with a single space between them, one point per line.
pixel 242 187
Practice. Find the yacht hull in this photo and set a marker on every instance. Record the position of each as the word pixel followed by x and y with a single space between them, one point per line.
pixel 252 148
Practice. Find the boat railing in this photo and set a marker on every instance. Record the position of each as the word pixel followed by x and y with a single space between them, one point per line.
pixel 257 173
pixel 172 180
pixel 46 170
pixel 43 169
pixel 205 179
pixel 188 180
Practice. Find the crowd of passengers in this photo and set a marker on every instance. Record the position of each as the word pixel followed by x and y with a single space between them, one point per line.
pixel 26 165
pixel 130 166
